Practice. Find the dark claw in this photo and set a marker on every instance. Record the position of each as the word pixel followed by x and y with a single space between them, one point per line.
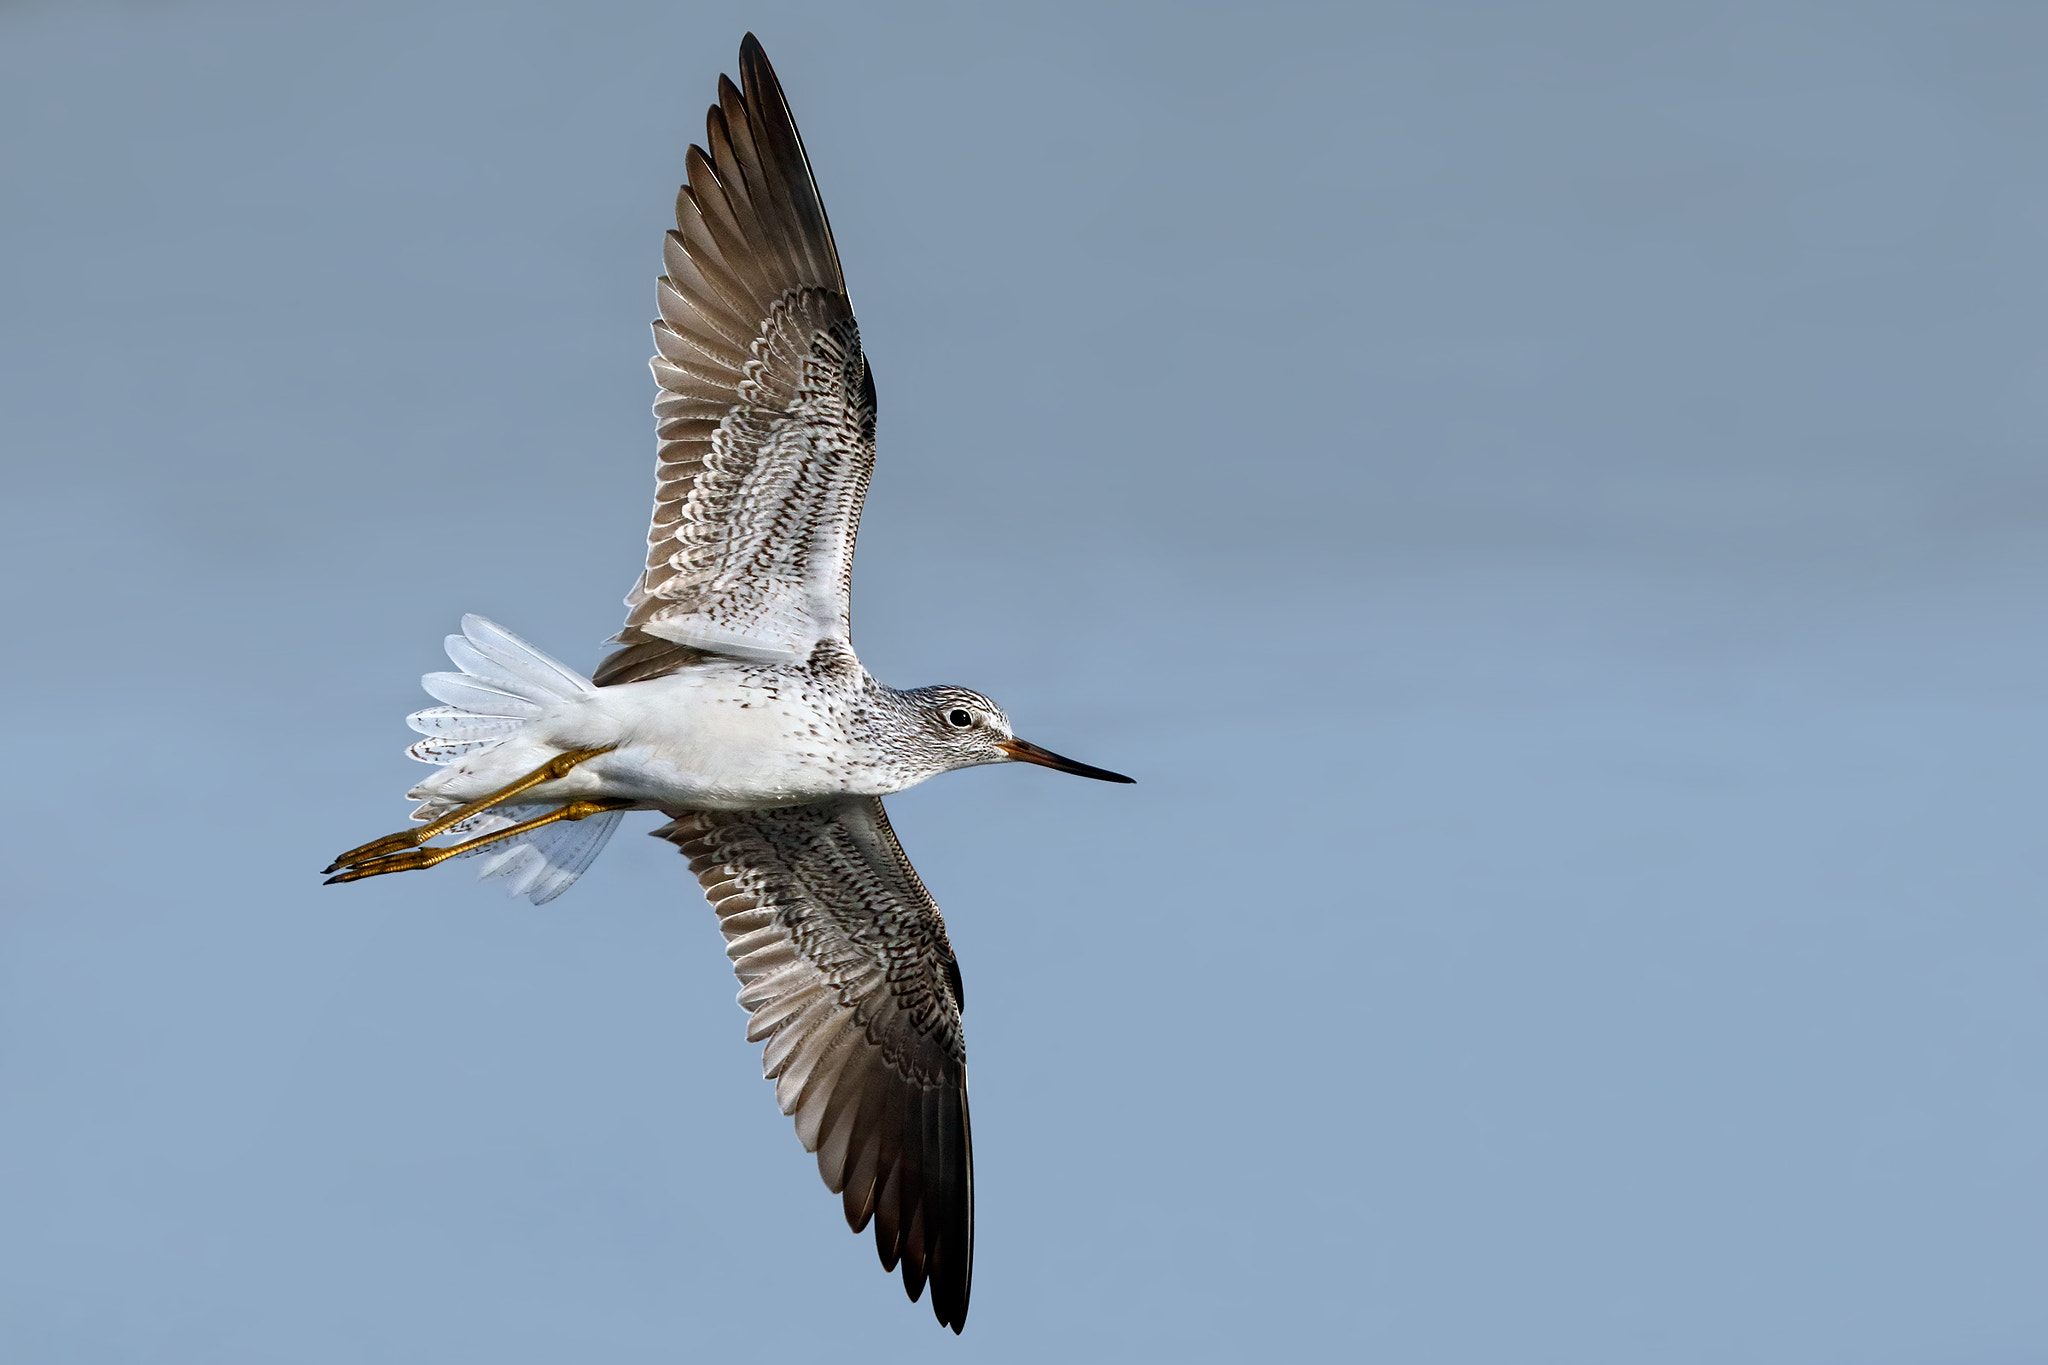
pixel 405 860
pixel 376 848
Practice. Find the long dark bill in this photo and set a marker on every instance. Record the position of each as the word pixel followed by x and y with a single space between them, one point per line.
pixel 1030 753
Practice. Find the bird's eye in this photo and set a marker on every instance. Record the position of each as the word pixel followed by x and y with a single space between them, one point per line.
pixel 960 718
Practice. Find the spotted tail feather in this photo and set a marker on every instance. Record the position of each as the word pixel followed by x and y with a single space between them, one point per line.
pixel 504 682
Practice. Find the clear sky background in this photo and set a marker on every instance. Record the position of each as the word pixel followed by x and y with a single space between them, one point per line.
pixel 1547 499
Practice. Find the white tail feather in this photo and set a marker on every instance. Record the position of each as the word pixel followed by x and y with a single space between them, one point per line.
pixel 468 694
pixel 516 660
pixel 504 683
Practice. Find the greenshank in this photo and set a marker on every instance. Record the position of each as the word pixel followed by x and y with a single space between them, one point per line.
pixel 735 706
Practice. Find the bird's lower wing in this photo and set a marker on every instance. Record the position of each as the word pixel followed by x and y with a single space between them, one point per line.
pixel 844 965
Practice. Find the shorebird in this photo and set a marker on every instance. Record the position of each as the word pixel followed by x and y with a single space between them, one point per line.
pixel 734 705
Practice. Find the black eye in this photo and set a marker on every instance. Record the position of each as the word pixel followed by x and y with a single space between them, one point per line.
pixel 959 718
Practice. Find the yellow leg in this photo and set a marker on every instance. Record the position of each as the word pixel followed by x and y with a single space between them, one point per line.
pixel 412 859
pixel 553 770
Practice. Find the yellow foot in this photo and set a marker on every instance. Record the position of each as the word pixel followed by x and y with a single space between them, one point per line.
pixel 553 770
pixel 413 859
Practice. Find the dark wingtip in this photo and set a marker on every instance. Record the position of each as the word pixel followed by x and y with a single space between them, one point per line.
pixel 753 55
pixel 950 1308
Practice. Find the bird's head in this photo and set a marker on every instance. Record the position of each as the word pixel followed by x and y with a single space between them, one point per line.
pixel 969 729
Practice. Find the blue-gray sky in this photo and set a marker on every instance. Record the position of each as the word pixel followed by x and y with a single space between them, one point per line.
pixel 1547 499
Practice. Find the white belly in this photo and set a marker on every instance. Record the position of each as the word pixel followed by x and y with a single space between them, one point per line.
pixel 709 738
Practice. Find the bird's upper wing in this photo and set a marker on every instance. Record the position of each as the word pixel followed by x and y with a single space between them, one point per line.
pixel 766 417
pixel 844 964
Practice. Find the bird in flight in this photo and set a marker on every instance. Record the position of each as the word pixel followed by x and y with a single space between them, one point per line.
pixel 735 706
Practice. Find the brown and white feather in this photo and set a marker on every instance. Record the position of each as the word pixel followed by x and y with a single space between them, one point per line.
pixel 852 985
pixel 766 418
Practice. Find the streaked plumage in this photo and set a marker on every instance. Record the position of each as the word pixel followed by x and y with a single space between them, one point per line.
pixel 843 961
pixel 735 705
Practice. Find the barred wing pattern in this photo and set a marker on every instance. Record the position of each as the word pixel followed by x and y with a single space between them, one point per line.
pixel 845 967
pixel 766 418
